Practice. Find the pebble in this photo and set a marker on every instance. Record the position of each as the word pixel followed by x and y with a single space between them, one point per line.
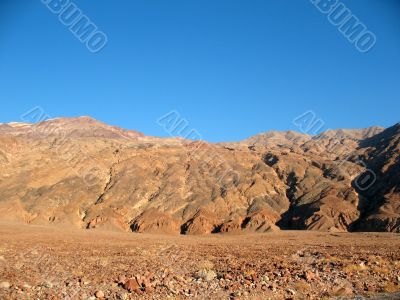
pixel 273 287
pixel 99 294
pixel 228 276
pixel 84 281
pixel 236 294
pixel 290 291
pixel 121 279
pixel 309 276
pixel 131 285
pixel 207 275
pixel 124 296
pixel 5 285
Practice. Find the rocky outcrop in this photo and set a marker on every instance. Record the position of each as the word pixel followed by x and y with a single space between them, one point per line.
pixel 155 221
pixel 261 221
pixel 232 226
pixel 203 222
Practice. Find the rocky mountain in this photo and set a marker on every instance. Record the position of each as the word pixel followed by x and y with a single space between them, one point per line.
pixel 381 202
pixel 81 127
pixel 81 172
pixel 355 134
pixel 275 138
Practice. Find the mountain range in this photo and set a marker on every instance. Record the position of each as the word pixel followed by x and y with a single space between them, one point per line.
pixel 80 172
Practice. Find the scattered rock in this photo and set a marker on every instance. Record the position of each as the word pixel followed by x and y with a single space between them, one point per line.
pixel 121 279
pixel 99 294
pixel 132 285
pixel 48 284
pixel 5 285
pixel 290 291
pixel 84 281
pixel 273 287
pixel 309 276
pixel 207 275
pixel 228 276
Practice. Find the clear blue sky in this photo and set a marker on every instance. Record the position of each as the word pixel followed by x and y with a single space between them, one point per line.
pixel 231 68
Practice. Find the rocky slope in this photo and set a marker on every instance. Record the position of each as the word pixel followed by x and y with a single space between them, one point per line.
pixel 83 173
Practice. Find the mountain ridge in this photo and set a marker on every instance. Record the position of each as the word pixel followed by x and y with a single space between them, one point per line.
pixel 83 173
pixel 360 133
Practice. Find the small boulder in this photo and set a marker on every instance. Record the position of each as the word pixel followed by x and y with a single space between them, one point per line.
pixel 5 285
pixel 132 285
pixel 206 275
pixel 99 294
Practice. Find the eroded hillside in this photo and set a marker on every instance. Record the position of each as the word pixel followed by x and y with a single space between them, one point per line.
pixel 83 173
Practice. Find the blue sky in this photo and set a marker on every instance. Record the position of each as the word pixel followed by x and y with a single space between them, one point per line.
pixel 231 68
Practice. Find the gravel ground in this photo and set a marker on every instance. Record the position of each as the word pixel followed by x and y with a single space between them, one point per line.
pixel 60 263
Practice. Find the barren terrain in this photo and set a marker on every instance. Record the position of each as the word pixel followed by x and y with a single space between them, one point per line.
pixel 38 262
pixel 93 211
pixel 82 173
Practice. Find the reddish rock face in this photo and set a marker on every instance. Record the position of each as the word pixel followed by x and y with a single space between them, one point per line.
pixel 203 222
pixel 232 226
pixel 154 221
pixel 261 221
pixel 83 173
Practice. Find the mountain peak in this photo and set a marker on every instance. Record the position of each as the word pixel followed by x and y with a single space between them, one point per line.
pixel 72 127
pixel 357 134
pixel 273 137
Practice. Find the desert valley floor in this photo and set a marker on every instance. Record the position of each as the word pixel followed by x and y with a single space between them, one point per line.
pixel 38 262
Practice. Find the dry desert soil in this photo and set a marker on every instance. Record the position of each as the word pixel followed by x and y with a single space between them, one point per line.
pixel 38 262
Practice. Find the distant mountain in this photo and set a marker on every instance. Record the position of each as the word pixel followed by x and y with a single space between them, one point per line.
pixel 84 173
pixel 357 134
pixel 275 138
pixel 80 127
pixel 290 138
